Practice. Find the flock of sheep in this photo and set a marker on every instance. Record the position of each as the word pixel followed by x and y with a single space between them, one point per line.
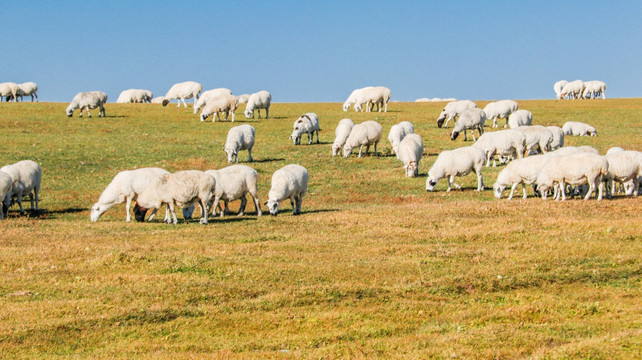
pixel 579 89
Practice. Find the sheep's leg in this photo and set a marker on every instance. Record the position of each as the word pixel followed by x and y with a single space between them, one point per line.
pixel 232 116
pixel 495 121
pixel 267 112
pixel 151 216
pixel 242 208
pixel 600 188
pixel 360 148
pixel 128 208
pixel 512 190
pixel 173 212
pixel 447 121
pixel 367 149
pixel 292 202
pixel 299 201
pixel 317 131
pixel 480 181
pixel 562 186
pixel 524 189
pixel 249 154
pixel 590 191
pixel 259 111
pixel 204 211
pixel 375 149
pixel 310 137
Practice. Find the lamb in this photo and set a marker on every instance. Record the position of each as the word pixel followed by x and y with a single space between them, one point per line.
pixel 469 119
pixel 558 137
pixel 257 101
pixel 411 150
pixel 306 124
pixel 6 184
pixel 352 98
pixel 519 118
pixel 457 162
pixel 224 103
pixel 125 186
pixel 134 96
pixel 182 189
pixel 26 177
pixel 364 134
pixel 341 135
pixel 88 100
pixel 593 89
pixel 452 110
pixel 576 128
pixel 182 91
pixel 290 181
pixel 558 88
pixel 573 89
pixel 502 143
pixel 243 98
pixel 232 183
pixel 398 132
pixel 9 89
pixel 575 169
pixel 625 166
pixel 537 138
pixel 521 171
pixel 239 138
pixel 378 95
pixel 500 110
pixel 28 89
pixel 209 95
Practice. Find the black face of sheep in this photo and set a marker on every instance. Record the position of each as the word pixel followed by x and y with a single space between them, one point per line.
pixel 139 213
pixel 165 102
pixel 440 121
pixel 454 135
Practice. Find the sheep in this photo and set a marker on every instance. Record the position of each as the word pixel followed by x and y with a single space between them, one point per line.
pixel 457 162
pixel 125 186
pixel 182 91
pixel 182 189
pixel 558 137
pixel 411 149
pixel 26 177
pixel 624 166
pixel 573 89
pixel 306 124
pixel 134 96
pixel 558 88
pixel 469 119
pixel 613 150
pixel 208 95
pixel 88 100
pixel 575 169
pixel 352 98
pixel 521 171
pixel 519 118
pixel 290 181
pixel 537 138
pixel 593 89
pixel 158 100
pixel 257 101
pixel 28 89
pixel 452 110
pixel 378 95
pixel 6 184
pixel 232 183
pixel 224 103
pixel 239 138
pixel 341 135
pixel 364 134
pixel 500 110
pixel 576 128
pixel 9 90
pixel 243 98
pixel 398 132
pixel 501 143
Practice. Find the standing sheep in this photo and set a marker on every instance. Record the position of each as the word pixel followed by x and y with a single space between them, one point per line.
pixel 625 166
pixel 352 98
pixel 576 128
pixel 398 132
pixel 134 96
pixel 558 86
pixel 378 95
pixel 364 134
pixel 289 182
pixel 9 89
pixel 239 138
pixel 502 143
pixel 88 100
pixel 469 119
pixel 537 138
pixel 519 118
pixel 243 98
pixel 575 169
pixel 232 183
pixel 28 89
pixel 573 90
pixel 223 103
pixel 558 137
pixel 457 162
pixel 257 101
pixel 182 91
pixel 500 110
pixel 208 95
pixel 26 177
pixel 411 149
pixel 452 110
pixel 306 124
pixel 6 183
pixel 593 89
pixel 341 135
pixel 520 171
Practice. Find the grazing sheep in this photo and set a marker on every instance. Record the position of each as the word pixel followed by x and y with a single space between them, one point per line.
pixel 573 90
pixel 457 162
pixel 6 183
pixel 519 118
pixel 158 100
pixel 9 90
pixel 354 95
pixel 469 119
pixel 87 100
pixel 239 138
pixel 520 171
pixel 289 182
pixel 232 183
pixel 257 101
pixel 26 176
pixel 398 132
pixel 223 103
pixel 364 134
pixel 182 189
pixel 558 86
pixel 243 98
pixel 134 96
pixel 28 89
pixel 182 91
pixel 411 149
pixel 558 137
pixel 624 166
pixel 452 110
pixel 502 143
pixel 378 95
pixel 341 135
pixel 306 124
pixel 593 89
pixel 208 95
pixel 537 138
pixel 576 128
pixel 575 169
pixel 125 186
pixel 500 110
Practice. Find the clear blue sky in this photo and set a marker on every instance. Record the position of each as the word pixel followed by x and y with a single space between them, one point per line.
pixel 318 51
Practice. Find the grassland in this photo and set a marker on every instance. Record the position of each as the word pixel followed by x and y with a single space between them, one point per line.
pixel 375 267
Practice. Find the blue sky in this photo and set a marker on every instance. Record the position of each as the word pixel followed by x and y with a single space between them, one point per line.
pixel 305 51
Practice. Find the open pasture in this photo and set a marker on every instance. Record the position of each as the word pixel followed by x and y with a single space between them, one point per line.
pixel 375 267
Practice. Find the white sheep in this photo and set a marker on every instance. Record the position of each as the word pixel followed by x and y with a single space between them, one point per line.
pixel 575 169
pixel 88 100
pixel 410 152
pixel 306 124
pixel 365 134
pixel 341 135
pixel 469 119
pixel 558 137
pixel 243 98
pixel 125 186
pixel 232 183
pixel 257 101
pixel 134 96
pixel 624 166
pixel 506 143
pixel 289 182
pixel 573 90
pixel 28 89
pixel 158 100
pixel 452 110
pixel 26 177
pixel 208 95
pixel 614 149
pixel 377 95
pixel 558 86
pixel 520 171
pixel 182 91
pixel 593 89
pixel 538 137
pixel 239 138
pixel 398 132
pixel 457 162
pixel 576 128
pixel 519 118
pixel 500 110
pixel 352 98
pixel 6 184
pixel 223 103
pixel 9 90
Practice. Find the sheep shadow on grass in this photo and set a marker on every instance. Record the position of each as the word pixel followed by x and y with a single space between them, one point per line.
pixel 44 214
pixel 267 160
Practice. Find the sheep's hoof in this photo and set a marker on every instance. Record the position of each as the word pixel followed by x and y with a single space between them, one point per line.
pixel 203 222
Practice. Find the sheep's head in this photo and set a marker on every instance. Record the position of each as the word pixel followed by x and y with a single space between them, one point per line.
pixel 70 111
pixel 498 190
pixel 96 211
pixel 441 118
pixel 346 106
pixel 454 135
pixel 165 102
pixel 430 183
pixel 273 207
pixel 231 153
pixel 412 169
pixel 335 149
pixel 358 107
pixel 248 113
pixel 139 213
pixel 188 211
pixel 592 132
pixel 347 150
